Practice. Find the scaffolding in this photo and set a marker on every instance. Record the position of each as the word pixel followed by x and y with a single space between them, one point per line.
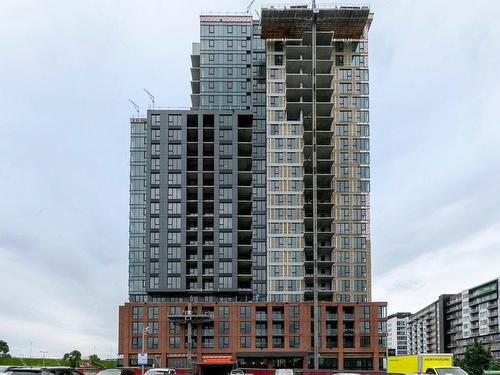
pixel 347 22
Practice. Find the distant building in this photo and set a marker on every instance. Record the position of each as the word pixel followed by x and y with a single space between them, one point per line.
pixel 397 337
pixel 426 329
pixel 472 314
pixel 453 321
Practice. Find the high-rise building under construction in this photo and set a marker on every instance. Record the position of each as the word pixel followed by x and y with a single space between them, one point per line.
pixel 249 212
pixel 318 173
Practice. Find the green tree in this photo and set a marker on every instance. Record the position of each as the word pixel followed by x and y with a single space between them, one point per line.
pixel 476 358
pixel 74 358
pixel 4 349
pixel 495 366
pixel 94 358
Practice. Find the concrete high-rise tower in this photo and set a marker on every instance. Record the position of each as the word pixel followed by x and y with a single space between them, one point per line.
pixel 318 153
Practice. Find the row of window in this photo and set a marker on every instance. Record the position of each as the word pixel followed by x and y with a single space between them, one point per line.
pixel 212 29
pixel 224 44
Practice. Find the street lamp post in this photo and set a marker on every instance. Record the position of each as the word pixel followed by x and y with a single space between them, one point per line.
pixel 145 331
pixel 43 358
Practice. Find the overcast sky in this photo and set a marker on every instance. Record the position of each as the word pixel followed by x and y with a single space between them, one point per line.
pixel 66 72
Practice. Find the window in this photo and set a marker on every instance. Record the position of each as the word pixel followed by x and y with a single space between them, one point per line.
pixel 345 74
pixel 358 47
pixel 174 342
pixel 229 29
pixel 155 149
pixel 211 71
pixel 174 327
pixel 357 60
pixel 174 134
pixel 245 312
pixel 294 327
pixel 154 252
pixel 364 341
pixel 294 341
pixel 223 312
pixel 152 342
pixel 345 115
pixel 211 43
pixel 364 311
pixel 244 341
pixel 137 312
pixel 137 328
pixel 153 312
pixel 208 342
pixel 382 327
pixel 230 43
pixel 223 327
pixel 173 282
pixel 339 60
pixel 155 135
pixel 154 282
pixel 211 29
pixel 293 311
pixel 210 57
pixel 173 164
pixel 223 341
pixel 261 342
pixel 245 327
pixel 364 327
pixel 136 342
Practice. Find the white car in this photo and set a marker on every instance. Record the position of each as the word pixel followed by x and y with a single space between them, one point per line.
pixel 160 371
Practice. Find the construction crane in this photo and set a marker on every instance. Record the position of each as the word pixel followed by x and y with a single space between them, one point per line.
pixel 249 6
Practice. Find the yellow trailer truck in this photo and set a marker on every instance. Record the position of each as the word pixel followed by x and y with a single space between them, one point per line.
pixel 438 364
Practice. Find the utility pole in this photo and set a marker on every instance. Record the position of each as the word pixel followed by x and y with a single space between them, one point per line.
pixel 315 189
pixel 144 332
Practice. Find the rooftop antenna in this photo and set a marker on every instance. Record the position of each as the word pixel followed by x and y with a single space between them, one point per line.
pixel 135 106
pixel 151 97
pixel 249 6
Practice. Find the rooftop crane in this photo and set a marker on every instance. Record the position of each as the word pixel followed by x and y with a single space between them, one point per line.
pixel 249 6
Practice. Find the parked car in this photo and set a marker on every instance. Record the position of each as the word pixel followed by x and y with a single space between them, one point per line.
pixel 160 371
pixel 237 371
pixel 118 371
pixel 58 370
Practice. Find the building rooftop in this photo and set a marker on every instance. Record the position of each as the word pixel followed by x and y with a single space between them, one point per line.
pixel 291 21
